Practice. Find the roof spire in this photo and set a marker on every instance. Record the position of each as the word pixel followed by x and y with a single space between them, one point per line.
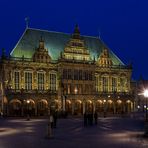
pixel 99 34
pixel 27 22
pixel 41 43
pixel 76 33
pixel 3 56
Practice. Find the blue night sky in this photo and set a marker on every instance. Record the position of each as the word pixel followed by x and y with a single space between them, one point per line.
pixel 123 24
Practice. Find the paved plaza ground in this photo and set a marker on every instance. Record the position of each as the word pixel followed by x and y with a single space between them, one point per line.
pixel 111 132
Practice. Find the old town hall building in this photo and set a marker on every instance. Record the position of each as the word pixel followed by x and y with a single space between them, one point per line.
pixel 65 72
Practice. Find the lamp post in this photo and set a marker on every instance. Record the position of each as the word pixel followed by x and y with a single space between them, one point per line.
pixel 2 100
pixel 104 101
pixel 75 93
pixel 146 97
pixel 28 116
pixel 146 115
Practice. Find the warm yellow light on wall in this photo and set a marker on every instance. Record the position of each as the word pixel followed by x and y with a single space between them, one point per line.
pixel 119 101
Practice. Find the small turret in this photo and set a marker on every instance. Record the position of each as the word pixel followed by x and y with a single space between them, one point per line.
pixel 41 43
pixel 76 33
pixel 3 53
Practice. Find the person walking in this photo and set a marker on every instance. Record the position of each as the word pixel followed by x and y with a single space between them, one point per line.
pixel 96 117
pixel 55 119
pixel 51 120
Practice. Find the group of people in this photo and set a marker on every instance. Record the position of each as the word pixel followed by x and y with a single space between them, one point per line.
pixel 89 117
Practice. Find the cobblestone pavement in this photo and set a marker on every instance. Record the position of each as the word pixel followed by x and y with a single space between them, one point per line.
pixel 110 132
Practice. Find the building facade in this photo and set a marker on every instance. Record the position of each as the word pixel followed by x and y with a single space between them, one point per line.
pixel 57 71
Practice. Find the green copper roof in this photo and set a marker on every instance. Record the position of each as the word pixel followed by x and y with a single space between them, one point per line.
pixel 55 43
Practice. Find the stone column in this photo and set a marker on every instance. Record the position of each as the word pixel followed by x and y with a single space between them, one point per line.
pixel 114 108
pixel 94 106
pixel 124 107
pixel 36 109
pixel 63 103
pixel 83 107
pixel 72 107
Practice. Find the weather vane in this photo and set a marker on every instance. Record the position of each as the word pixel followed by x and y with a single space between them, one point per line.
pixel 99 33
pixel 27 22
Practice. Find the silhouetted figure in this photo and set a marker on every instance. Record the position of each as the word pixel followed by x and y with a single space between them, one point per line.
pixel 91 118
pixel 88 118
pixel 55 119
pixel 96 118
pixel 51 120
pixel 85 119
pixel 104 114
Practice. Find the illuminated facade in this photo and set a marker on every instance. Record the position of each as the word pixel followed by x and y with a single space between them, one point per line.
pixel 64 72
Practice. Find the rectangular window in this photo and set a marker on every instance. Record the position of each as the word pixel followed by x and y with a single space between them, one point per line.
pixel 122 84
pixel 40 77
pixel 80 74
pixel 28 80
pixel 105 84
pixel 85 75
pixel 69 74
pixel 114 84
pixel 16 80
pixel 52 82
pixel 76 74
pixel 97 83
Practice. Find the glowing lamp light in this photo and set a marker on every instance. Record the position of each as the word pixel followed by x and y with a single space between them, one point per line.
pixel 28 101
pixel 104 101
pixel 145 93
pixel 138 106
pixel 76 90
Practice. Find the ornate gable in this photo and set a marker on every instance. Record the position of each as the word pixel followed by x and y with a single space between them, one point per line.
pixel 41 54
pixel 104 59
pixel 75 48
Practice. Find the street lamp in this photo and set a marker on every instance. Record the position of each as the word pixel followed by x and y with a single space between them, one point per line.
pixel 28 116
pixel 146 97
pixel 104 101
pixel 146 117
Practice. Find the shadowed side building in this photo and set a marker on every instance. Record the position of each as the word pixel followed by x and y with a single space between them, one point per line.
pixel 64 72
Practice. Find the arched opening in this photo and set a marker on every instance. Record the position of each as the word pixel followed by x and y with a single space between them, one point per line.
pixel 99 106
pixel 129 106
pixel 42 107
pixel 110 106
pixel 78 107
pixel 89 106
pixel 29 107
pixel 119 107
pixel 68 106
pixel 15 107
